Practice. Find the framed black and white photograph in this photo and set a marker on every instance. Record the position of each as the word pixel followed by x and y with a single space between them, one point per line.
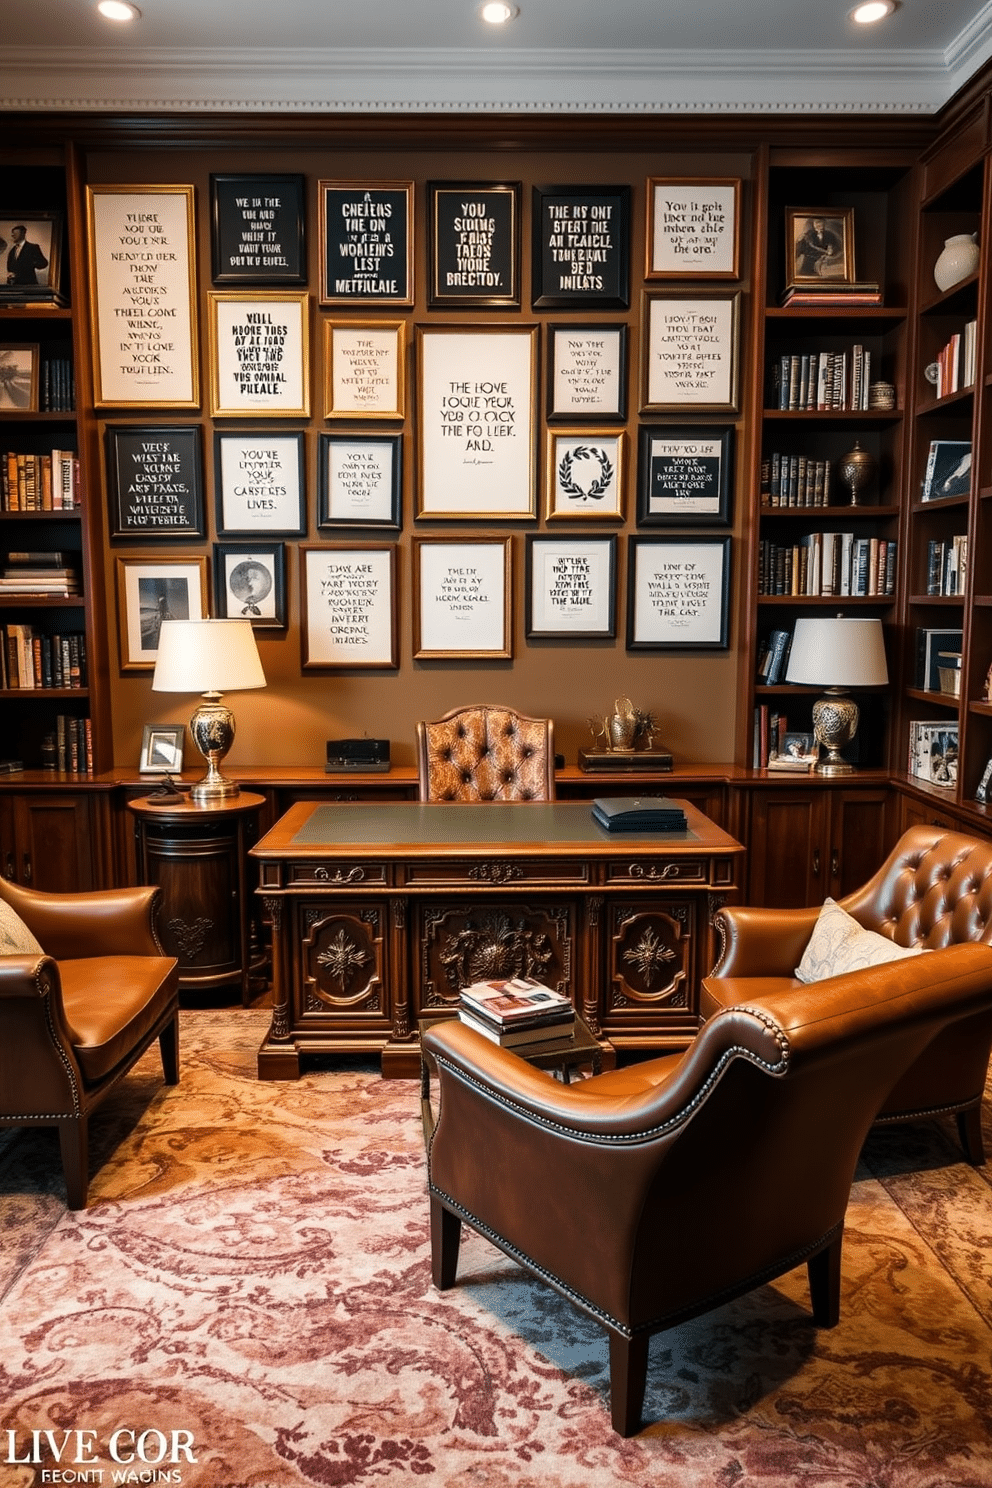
pixel 359 480
pixel 586 373
pixel 162 749
pixel 477 396
pixel 948 469
pixel 693 227
pixel 684 475
pixel 982 788
pixel 257 229
pixel 678 592
pixel 690 353
pixel 585 475
pixel 819 246
pixel 259 354
pixel 250 583
pixel 462 603
pixel 30 255
pixel 19 372
pixel 155 480
pixel 348 607
pixel 366 242
pixel 571 587
pixel 581 247
pixel 151 589
pixel 474 253
pixel 364 369
pixel 259 480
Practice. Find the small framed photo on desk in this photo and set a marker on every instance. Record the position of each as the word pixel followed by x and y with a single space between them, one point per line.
pixel 162 749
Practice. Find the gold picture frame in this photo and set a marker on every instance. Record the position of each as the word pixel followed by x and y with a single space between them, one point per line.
pixel 364 369
pixel 259 353
pixel 819 246
pixel 693 227
pixel 585 475
pixel 463 598
pixel 151 589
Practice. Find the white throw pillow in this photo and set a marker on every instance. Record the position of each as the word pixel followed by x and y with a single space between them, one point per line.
pixel 15 937
pixel 839 944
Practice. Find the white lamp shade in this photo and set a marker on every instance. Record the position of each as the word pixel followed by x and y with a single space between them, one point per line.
pixel 833 651
pixel 207 656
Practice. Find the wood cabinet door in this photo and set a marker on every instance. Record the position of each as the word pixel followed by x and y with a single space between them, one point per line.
pixel 55 845
pixel 858 839
pixel 787 866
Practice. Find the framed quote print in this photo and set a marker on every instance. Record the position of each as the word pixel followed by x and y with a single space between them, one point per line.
pixel 364 366
pixel 250 583
pixel 366 242
pixel 678 590
pixel 586 373
pixel 461 598
pixel 585 474
pixel 693 228
pixel 359 480
pixel 256 229
pixel 259 354
pixel 684 475
pixel 581 247
pixel 260 483
pixel 151 589
pixel 155 480
pixel 474 244
pixel 690 353
pixel 348 612
pixel 571 587
pixel 142 266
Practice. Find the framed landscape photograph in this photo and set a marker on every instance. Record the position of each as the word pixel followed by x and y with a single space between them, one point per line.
pixel 259 354
pixel 366 242
pixel 684 475
pixel 462 598
pixel 250 583
pixel 155 480
pixel 260 483
pixel 571 587
pixel 690 353
pixel 19 367
pixel 819 245
pixel 31 249
pixel 348 611
pixel 162 749
pixel 677 593
pixel 359 480
pixel 581 247
pixel 585 474
pixel 586 373
pixel 364 366
pixel 693 227
pixel 257 232
pixel 474 253
pixel 152 589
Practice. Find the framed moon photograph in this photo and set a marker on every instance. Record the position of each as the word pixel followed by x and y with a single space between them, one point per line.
pixel 250 583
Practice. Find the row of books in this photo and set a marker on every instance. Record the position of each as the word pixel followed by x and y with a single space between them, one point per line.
pixel 821 380
pixel 48 482
pixel 773 657
pixel 56 382
pixel 933 750
pixel 828 563
pixel 73 744
pixel 795 480
pixel 955 362
pixel 947 565
pixel 30 659
pixel 516 1011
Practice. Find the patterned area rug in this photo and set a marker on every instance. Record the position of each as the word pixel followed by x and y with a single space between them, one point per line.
pixel 253 1277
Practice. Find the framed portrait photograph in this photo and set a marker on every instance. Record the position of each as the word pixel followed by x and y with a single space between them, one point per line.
pixel 678 592
pixel 152 589
pixel 259 354
pixel 30 255
pixel 585 474
pixel 690 353
pixel 19 364
pixel 259 480
pixel 462 598
pixel 684 475
pixel 586 373
pixel 250 583
pixel 474 252
pixel 581 247
pixel 366 242
pixel 162 749
pixel 257 229
pixel 571 587
pixel 477 396
pixel 359 480
pixel 819 245
pixel 142 266
pixel 364 367
pixel 693 227
pixel 348 606
pixel 155 480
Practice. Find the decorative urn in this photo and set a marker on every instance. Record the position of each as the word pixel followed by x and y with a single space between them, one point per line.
pixel 958 258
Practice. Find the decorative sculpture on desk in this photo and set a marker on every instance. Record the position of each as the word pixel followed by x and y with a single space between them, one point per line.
pixel 621 731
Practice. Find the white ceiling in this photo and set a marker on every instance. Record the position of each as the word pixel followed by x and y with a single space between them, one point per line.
pixel 616 56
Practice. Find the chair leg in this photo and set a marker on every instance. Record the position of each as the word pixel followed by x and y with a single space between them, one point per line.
pixel 168 1043
pixel 74 1142
pixel 446 1234
pixel 628 1376
pixel 824 1284
pixel 970 1132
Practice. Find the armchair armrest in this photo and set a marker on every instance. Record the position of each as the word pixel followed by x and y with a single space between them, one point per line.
pixel 761 942
pixel 111 922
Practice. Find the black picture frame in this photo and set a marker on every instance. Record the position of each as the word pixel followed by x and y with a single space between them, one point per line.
pixel 258 229
pixel 354 486
pixel 269 499
pixel 250 583
pixel 581 247
pixel 492 277
pixel 684 475
pixel 678 593
pixel 576 599
pixel 586 373
pixel 368 227
pixel 155 481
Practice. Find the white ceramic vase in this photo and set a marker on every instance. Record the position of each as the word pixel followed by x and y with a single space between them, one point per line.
pixel 958 259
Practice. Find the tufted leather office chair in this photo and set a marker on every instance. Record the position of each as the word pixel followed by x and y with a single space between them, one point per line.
pixel 486 752
pixel 933 890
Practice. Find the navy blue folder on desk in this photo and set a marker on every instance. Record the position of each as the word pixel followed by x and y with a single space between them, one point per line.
pixel 638 814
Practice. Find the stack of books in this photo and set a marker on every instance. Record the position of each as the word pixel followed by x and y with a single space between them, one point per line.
pixel 833 293
pixel 516 1011
pixel 42 574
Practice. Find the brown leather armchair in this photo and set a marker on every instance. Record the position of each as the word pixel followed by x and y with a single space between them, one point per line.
pixel 74 1020
pixel 486 752
pixel 651 1194
pixel 933 890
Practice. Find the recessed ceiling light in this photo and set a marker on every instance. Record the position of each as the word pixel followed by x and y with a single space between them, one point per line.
pixel 872 11
pixel 118 10
pixel 498 11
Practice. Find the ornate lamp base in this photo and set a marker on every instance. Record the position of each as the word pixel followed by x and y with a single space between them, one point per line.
pixel 835 723
pixel 212 728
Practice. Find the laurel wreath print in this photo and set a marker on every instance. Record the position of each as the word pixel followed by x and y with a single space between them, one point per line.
pixel 598 489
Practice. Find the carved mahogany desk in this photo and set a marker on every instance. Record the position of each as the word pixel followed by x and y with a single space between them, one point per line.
pixel 380 912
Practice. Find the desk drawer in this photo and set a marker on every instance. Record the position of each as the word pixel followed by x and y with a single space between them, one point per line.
pixel 341 875
pixel 496 872
pixel 659 871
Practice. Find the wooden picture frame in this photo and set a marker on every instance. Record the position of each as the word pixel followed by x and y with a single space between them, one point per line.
pixel 571 587
pixel 348 615
pixel 259 348
pixel 250 583
pixel 142 286
pixel 359 480
pixel 474 247
pixel 259 482
pixel 151 589
pixel 477 401
pixel 31 264
pixel 691 352
pixel 580 247
pixel 364 369
pixel 257 229
pixel 819 246
pixel 162 747
pixel 585 475
pixel 462 598
pixel 155 481
pixel 366 242
pixel 693 227
pixel 678 592
pixel 586 373
pixel 684 475
pixel 20 363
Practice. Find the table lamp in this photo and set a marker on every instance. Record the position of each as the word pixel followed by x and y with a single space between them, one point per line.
pixel 837 653
pixel 209 656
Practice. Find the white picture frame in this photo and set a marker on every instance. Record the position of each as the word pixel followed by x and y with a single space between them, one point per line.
pixel 259 353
